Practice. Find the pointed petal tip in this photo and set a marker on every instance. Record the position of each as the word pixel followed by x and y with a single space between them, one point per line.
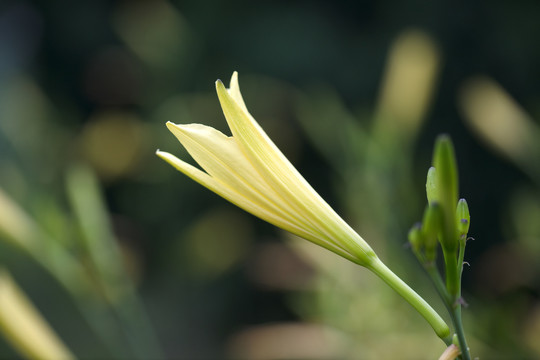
pixel 161 154
pixel 170 125
pixel 174 128
pixel 168 157
pixel 221 89
pixel 234 78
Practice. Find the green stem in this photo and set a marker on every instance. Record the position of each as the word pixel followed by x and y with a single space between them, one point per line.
pixel 456 319
pixel 435 276
pixel 461 257
pixel 452 305
pixel 452 272
pixel 456 309
pixel 437 323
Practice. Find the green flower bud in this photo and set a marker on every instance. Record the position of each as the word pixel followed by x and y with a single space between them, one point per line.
pixel 446 183
pixel 463 217
pixel 431 227
pixel 431 188
pixel 416 238
pixel 444 160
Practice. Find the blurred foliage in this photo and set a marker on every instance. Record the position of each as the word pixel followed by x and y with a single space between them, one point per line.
pixel 125 258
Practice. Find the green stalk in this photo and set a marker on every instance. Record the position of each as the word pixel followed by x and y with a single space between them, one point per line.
pixel 456 313
pixel 461 257
pixel 456 319
pixel 452 273
pixel 452 304
pixel 431 269
pixel 433 318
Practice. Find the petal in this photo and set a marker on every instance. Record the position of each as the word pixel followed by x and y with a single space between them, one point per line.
pixel 219 155
pixel 284 178
pixel 234 91
pixel 243 202
pixel 257 146
pixel 223 160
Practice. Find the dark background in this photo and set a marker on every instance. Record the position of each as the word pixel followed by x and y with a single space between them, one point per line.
pixel 93 82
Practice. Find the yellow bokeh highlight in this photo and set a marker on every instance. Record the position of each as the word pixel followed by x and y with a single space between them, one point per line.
pixel 408 84
pixel 113 142
pixel 499 120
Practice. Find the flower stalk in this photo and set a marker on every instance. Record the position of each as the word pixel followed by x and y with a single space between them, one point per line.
pixel 431 316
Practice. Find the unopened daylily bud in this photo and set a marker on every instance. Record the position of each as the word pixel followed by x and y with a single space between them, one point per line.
pixel 444 160
pixel 431 188
pixel 416 238
pixel 463 217
pixel 431 227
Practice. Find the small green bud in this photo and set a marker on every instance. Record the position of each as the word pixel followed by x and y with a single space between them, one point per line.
pixel 431 223
pixel 446 183
pixel 431 188
pixel 431 228
pixel 455 340
pixel 416 238
pixel 463 217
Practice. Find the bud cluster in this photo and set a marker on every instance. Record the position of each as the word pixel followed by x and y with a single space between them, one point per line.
pixel 446 220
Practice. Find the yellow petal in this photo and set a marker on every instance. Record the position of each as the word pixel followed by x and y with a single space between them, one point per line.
pixel 223 160
pixel 234 91
pixel 220 156
pixel 284 178
pixel 268 161
pixel 237 198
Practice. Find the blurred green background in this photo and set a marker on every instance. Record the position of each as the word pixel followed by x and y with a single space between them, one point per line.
pixel 127 258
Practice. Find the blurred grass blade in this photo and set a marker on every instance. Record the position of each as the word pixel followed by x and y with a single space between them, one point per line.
pixel 502 123
pixel 22 231
pixel 17 227
pixel 98 238
pixel 106 259
pixel 408 84
pixel 24 327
